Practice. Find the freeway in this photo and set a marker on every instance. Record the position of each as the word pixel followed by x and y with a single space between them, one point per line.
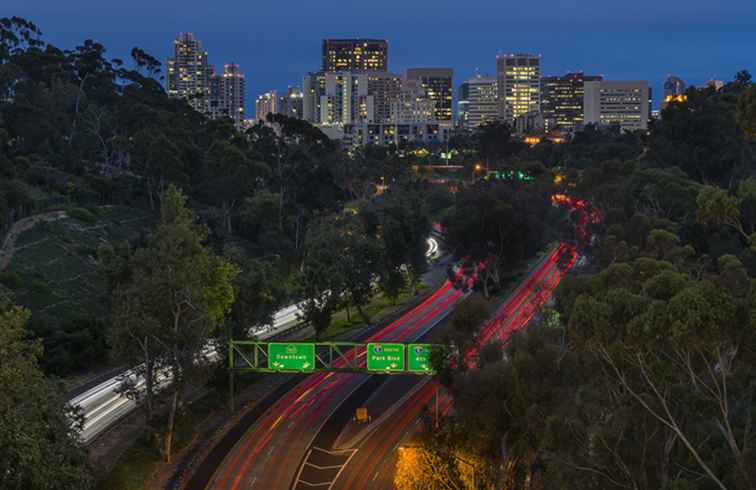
pixel 102 405
pixel 371 464
pixel 272 449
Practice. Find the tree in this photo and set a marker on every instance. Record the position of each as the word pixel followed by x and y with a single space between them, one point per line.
pixel 175 299
pixel 39 447
pixel 746 112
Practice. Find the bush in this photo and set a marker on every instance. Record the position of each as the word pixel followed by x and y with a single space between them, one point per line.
pixel 11 280
pixel 82 214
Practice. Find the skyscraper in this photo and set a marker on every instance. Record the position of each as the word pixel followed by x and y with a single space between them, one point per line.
pixel 412 105
pixel 478 101
pixel 313 88
pixel 674 91
pixel 384 87
pixel 345 99
pixel 519 85
pixel 623 103
pixel 673 86
pixel 562 100
pixel 355 55
pixel 266 104
pixel 189 72
pixel 438 88
pixel 227 93
pixel 291 104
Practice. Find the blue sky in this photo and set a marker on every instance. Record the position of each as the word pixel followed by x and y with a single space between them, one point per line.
pixel 276 42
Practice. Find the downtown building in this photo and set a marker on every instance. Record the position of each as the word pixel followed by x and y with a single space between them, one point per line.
pixel 674 91
pixel 518 79
pixel 265 104
pixel 355 55
pixel 477 102
pixel 227 92
pixel 562 99
pixel 192 77
pixel 626 104
pixel 438 85
pixel 291 103
pixel 189 72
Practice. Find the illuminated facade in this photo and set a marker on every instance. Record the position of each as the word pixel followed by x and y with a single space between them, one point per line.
pixel 345 99
pixel 384 88
pixel 292 103
pixel 437 83
pixel 478 101
pixel 266 103
pixel 674 91
pixel 313 88
pixel 412 104
pixel 623 103
pixel 519 85
pixel 355 55
pixel 227 92
pixel 189 72
pixel 393 134
pixel 562 100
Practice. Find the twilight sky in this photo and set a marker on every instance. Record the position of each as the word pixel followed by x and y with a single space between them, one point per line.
pixel 276 42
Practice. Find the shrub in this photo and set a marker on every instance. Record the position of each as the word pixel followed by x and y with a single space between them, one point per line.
pixel 11 279
pixel 82 214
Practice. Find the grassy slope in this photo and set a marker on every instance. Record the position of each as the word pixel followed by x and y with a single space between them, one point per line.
pixel 56 262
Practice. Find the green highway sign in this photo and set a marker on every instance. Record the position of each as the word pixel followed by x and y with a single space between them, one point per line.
pixel 418 358
pixel 385 357
pixel 291 357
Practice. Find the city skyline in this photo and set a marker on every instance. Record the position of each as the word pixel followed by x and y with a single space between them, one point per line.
pixel 652 41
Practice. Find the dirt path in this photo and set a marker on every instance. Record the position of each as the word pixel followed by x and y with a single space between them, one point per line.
pixel 6 251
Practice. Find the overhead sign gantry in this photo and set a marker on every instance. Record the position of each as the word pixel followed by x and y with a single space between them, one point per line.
pixel 308 357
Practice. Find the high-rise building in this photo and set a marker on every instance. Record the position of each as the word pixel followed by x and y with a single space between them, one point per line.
pixel 189 72
pixel 478 104
pixel 673 86
pixel 266 103
pixel 313 88
pixel 674 91
pixel 384 87
pixel 291 104
pixel 623 103
pixel 463 105
pixel 227 93
pixel 412 105
pixel 355 55
pixel 562 100
pixel 519 85
pixel 345 99
pixel 438 88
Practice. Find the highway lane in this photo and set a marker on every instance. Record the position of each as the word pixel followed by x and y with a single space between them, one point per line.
pixel 270 453
pixel 372 465
pixel 102 405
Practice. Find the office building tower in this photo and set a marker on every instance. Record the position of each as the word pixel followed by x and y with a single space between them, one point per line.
pixel 313 88
pixel 562 100
pixel 674 91
pixel 673 86
pixel 384 87
pixel 622 103
pixel 291 104
pixel 266 103
pixel 355 55
pixel 189 72
pixel 412 104
pixel 438 88
pixel 463 104
pixel 345 99
pixel 227 94
pixel 478 101
pixel 519 85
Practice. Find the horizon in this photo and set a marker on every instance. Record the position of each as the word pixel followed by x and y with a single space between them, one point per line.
pixel 649 42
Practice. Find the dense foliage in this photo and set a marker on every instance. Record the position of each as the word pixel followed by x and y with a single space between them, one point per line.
pixel 643 377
